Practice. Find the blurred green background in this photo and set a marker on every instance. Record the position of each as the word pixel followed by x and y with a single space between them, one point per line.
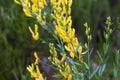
pixel 17 46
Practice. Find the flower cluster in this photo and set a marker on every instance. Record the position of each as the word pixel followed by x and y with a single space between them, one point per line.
pixel 35 34
pixel 87 32
pixel 34 8
pixel 67 51
pixel 34 69
pixel 63 22
pixel 62 65
pixel 108 29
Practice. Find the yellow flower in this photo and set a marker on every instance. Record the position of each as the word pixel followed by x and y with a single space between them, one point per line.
pixel 34 1
pixel 27 12
pixel 53 2
pixel 52 49
pixel 63 57
pixel 74 42
pixel 69 11
pixel 65 39
pixel 72 55
pixel 58 3
pixel 30 68
pixel 80 58
pixel 34 69
pixel 64 10
pixel 63 2
pixel 70 23
pixel 17 2
pixel 39 75
pixel 39 18
pixel 60 31
pixel 41 5
pixel 57 61
pixel 70 3
pixel 34 7
pixel 35 55
pixel 69 77
pixel 68 20
pixel 86 45
pixel 69 47
pixel 53 16
pixel 36 58
pixel 26 3
pixel 67 69
pixel 44 2
pixel 35 34
pixel 80 50
pixel 71 33
pixel 63 74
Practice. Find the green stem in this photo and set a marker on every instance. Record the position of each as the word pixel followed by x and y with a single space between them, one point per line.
pixel 89 60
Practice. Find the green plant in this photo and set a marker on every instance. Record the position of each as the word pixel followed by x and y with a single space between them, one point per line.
pixel 70 58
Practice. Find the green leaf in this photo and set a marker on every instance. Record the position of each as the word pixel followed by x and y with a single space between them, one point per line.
pixel 56 75
pixel 115 73
pixel 101 69
pixel 84 66
pixel 94 72
pixel 101 59
pixel 70 60
pixel 105 47
pixel 91 52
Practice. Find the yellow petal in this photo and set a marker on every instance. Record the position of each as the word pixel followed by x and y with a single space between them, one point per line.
pixel 67 69
pixel 69 77
pixel 64 10
pixel 71 33
pixel 34 8
pixel 75 42
pixel 72 55
pixel 30 68
pixel 69 11
pixel 63 57
pixel 68 19
pixel 80 50
pixel 36 28
pixel 63 74
pixel 86 46
pixel 66 39
pixel 41 5
pixel 70 23
pixel 70 3
pixel 37 70
pixel 67 48
pixel 71 47
pixel 34 1
pixel 40 77
pixel 53 2
pixel 36 58
pixel 31 30
pixel 35 34
pixel 63 2
pixel 17 2
pixel 27 12
pixel 80 58
pixel 45 3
